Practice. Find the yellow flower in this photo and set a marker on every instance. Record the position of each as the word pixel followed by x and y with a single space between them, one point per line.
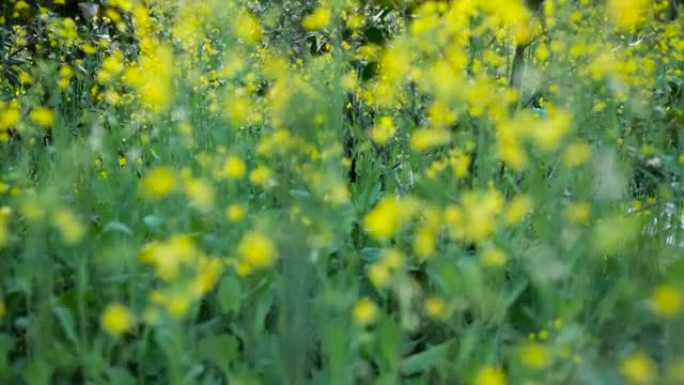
pixel 383 221
pixel 535 356
pixel 516 209
pixel 167 257
pixel 393 258
pixel 549 132
pixel 247 27
pixel 627 14
pixel 177 304
pixel 25 78
pixel 577 212
pixel 112 66
pixel 435 307
pixel 234 167
pixel 476 222
pixel 239 107
pixel 490 376
pixel 493 257
pixel 384 130
pixel 639 369
pixel 666 301
pixel 5 212
pixel 380 275
pixel 426 138
pixel 43 117
pixel 159 182
pixel 319 19
pixel 257 250
pixel 9 117
pixel 200 192
pixel 72 230
pixel 116 320
pixel 365 312
pixel 262 176
pixel 208 272
pixel 235 213
pixel 424 242
pixel 576 154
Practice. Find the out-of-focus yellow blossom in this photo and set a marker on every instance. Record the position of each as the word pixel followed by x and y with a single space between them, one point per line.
pixel 256 250
pixel 535 356
pixel 365 312
pixel 380 275
pixel 383 130
pixel 577 154
pixel 510 147
pixel 318 19
pixel 490 376
pixel 159 182
pixel 666 300
pixel 493 257
pixel 247 27
pixel 639 369
pixel 200 192
pixel 475 220
pixel 235 213
pixel 427 138
pixel 239 107
pixel 578 212
pixel 43 117
pixel 613 233
pixel 208 272
pixel 69 226
pixel 25 78
pixel 67 31
pixel 337 194
pixel 177 304
pixel 234 167
pixel 460 162
pixel 385 219
pixel 116 320
pixel 5 213
pixel 516 209
pixel 65 74
pixel 424 241
pixel 441 115
pixel 153 77
pixel 435 307
pixel 168 257
pixel 31 210
pixel 627 14
pixel 549 132
pixel 262 176
pixel 9 115
pixel 112 66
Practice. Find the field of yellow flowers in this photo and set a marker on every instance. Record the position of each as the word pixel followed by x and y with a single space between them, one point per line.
pixel 342 192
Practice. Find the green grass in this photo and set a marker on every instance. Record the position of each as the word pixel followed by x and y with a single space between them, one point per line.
pixel 342 193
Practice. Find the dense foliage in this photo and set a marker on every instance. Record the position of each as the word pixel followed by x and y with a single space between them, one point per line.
pixel 341 192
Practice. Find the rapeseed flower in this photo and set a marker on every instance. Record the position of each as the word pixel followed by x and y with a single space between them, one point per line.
pixel 116 319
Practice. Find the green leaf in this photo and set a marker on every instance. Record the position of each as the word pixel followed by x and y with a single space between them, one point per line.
pixel 371 254
pixel 117 227
pixel 219 349
pixel 426 359
pixel 229 294
pixel 120 376
pixel 66 321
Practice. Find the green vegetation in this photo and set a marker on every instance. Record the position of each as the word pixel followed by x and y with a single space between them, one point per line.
pixel 341 192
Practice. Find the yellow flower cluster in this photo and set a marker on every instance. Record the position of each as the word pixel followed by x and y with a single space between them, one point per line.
pixel 188 274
